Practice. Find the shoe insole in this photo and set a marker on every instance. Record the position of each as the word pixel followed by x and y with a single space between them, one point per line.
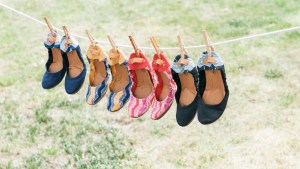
pixel 214 90
pixel 166 87
pixel 121 79
pixel 99 74
pixel 188 89
pixel 57 61
pixel 75 64
pixel 144 84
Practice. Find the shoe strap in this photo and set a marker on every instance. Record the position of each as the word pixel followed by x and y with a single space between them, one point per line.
pixel 96 52
pixel 160 63
pixel 136 60
pixel 67 44
pixel 52 41
pixel 116 57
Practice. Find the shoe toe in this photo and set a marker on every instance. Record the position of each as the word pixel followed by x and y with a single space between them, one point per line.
pixel 72 85
pixel 96 93
pixel 116 101
pixel 186 114
pixel 50 80
pixel 208 114
pixel 138 107
pixel 156 110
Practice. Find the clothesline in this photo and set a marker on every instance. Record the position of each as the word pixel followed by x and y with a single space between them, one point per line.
pixel 163 48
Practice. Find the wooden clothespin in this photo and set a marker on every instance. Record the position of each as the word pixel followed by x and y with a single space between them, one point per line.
pixel 158 51
pixel 155 45
pixel 134 46
pixel 52 39
pixel 91 38
pixel 209 48
pixel 69 41
pixel 137 59
pixel 182 61
pixel 114 56
pixel 94 50
pixel 112 43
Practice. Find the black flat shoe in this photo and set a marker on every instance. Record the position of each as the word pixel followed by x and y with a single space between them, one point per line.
pixel 186 96
pixel 213 89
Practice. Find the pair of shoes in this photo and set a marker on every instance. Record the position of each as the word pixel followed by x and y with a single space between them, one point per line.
pixel 99 76
pixel 146 91
pixel 202 90
pixel 64 57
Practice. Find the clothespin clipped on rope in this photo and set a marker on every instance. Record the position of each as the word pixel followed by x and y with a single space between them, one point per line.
pixel 69 41
pixel 209 48
pixel 137 59
pixel 182 60
pixel 112 43
pixel 51 39
pixel 114 57
pixel 91 38
pixel 93 49
pixel 158 51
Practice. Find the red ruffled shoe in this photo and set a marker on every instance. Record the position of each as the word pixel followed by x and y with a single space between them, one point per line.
pixel 166 87
pixel 143 86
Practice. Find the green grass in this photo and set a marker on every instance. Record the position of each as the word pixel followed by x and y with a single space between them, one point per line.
pixel 35 161
pixel 50 129
pixel 273 74
pixel 41 113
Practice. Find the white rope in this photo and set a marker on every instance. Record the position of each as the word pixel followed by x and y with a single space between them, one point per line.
pixel 163 48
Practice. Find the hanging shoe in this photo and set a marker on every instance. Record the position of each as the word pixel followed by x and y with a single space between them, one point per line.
pixel 213 89
pixel 143 86
pixel 186 78
pixel 121 82
pixel 56 64
pixel 166 87
pixel 98 77
pixel 76 69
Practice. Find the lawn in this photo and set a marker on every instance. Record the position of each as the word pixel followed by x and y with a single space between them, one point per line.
pixel 50 129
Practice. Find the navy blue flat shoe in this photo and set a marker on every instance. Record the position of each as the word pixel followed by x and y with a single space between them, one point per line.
pixel 76 68
pixel 55 66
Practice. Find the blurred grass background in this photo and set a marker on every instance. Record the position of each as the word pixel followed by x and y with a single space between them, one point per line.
pixel 50 129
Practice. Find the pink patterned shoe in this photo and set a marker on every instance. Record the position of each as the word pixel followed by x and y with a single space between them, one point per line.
pixel 165 89
pixel 143 86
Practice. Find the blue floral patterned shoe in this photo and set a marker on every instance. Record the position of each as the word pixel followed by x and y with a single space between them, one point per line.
pixel 76 68
pixel 56 64
pixel 98 77
pixel 120 87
